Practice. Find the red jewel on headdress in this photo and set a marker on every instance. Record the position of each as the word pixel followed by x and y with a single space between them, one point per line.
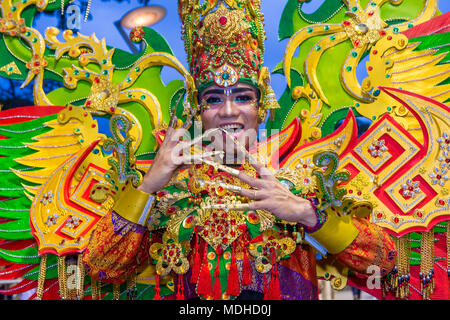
pixel 223 20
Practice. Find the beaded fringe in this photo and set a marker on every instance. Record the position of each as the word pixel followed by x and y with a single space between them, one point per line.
pixel 75 289
pixel 41 279
pixel 62 277
pixel 401 275
pixel 426 274
pixel 116 291
pixel 81 274
pixel 448 251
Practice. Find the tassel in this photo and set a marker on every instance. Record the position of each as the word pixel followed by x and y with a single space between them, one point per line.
pixel 94 288
pixel 273 292
pixel 265 287
pixel 131 287
pixel 99 286
pixel 180 292
pixel 233 288
pixel 448 252
pixel 41 279
pixel 197 262
pixel 217 285
pixel 246 269
pixel 80 285
pixel 204 286
pixel 427 265
pixel 275 282
pixel 116 291
pixel 157 289
pixel 401 274
pixel 62 277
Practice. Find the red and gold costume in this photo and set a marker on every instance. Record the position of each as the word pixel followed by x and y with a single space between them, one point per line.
pixel 72 164
pixel 225 251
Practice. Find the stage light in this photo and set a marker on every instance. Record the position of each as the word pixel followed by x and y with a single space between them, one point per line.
pixel 143 17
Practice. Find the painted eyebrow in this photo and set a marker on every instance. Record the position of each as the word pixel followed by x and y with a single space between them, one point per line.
pixel 218 91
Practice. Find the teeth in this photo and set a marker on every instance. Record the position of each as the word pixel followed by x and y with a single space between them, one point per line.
pixel 232 126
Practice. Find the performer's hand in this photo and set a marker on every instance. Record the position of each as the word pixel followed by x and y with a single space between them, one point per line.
pixel 273 196
pixel 167 161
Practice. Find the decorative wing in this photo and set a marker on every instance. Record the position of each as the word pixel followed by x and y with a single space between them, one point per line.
pixel 56 156
pixel 394 153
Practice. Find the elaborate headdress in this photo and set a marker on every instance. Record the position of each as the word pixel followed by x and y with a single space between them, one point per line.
pixel 224 42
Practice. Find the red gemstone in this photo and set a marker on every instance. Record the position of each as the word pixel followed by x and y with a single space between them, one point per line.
pixel 370 68
pixel 374 51
pixel 225 240
pixel 439 177
pixel 419 214
pixel 396 220
pixel 379 215
pixel 223 20
pixel 382 33
pixel 97 79
pixel 171 210
pixel 350 191
pixel 88 103
pixel 371 13
pixel 441 202
pixel 389 37
pixel 356 43
pixel 358 193
pixel 243 227
pixel 37 63
pixel 161 193
pixel 346 23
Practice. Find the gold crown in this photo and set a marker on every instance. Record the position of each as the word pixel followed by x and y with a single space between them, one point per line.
pixel 224 42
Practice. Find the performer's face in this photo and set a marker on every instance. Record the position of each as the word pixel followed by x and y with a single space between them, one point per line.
pixel 234 109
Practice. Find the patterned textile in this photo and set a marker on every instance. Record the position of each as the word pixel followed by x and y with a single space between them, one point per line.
pixel 371 247
pixel 114 253
pixel 119 252
pixel 123 226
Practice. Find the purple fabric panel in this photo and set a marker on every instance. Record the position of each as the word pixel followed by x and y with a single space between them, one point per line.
pixel 293 285
pixel 122 226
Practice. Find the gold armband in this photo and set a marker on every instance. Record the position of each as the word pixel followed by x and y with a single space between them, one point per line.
pixel 337 233
pixel 135 205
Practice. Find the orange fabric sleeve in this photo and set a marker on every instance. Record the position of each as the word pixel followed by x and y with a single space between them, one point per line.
pixel 372 246
pixel 116 249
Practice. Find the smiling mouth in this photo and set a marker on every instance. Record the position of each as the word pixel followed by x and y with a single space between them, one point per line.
pixel 233 128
